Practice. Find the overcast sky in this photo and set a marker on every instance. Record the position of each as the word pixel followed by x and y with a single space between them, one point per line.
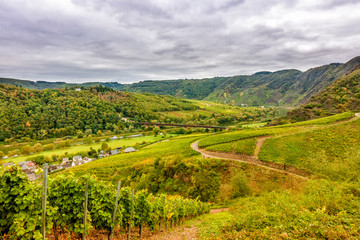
pixel 133 40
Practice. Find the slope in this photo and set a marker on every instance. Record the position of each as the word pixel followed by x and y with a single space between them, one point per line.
pixel 281 88
pixel 343 95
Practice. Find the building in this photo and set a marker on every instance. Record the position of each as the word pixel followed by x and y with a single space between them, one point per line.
pixel 129 150
pixel 8 164
pixel 77 158
pixel 136 135
pixel 114 152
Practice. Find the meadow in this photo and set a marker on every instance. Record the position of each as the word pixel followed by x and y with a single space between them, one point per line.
pixel 79 146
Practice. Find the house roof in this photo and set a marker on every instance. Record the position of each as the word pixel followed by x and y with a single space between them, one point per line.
pixel 8 164
pixel 129 149
pixel 23 163
pixel 75 158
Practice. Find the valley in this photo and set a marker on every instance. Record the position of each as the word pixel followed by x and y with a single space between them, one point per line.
pixel 249 172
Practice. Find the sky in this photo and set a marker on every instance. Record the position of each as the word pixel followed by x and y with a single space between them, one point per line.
pixel 131 40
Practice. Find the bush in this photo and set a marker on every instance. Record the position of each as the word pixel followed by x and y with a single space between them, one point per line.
pixel 13 152
pixel 49 147
pixel 38 147
pixel 239 185
pixel 27 150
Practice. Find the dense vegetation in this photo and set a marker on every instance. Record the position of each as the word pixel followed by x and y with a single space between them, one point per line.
pixel 281 88
pixel 41 114
pixel 65 206
pixel 323 210
pixel 343 95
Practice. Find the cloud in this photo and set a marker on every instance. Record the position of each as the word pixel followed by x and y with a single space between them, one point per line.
pixel 133 40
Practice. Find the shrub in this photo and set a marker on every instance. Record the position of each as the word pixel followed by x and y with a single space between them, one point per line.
pixel 239 185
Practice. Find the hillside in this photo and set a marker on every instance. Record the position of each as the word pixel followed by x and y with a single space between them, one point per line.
pixel 269 198
pixel 280 88
pixel 341 96
pixel 41 114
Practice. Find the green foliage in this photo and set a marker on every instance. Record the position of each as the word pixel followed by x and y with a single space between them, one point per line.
pixel 341 96
pixel 20 205
pixel 223 147
pixel 27 150
pixel 20 208
pixel 246 146
pixel 324 211
pixel 330 152
pixel 239 183
pixel 270 131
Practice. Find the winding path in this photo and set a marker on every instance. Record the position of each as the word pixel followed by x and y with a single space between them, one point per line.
pixel 251 160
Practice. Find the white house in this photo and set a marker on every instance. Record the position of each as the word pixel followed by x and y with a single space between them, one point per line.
pixel 129 150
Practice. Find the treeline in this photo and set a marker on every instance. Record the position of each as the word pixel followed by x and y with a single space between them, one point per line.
pixel 20 207
pixel 49 113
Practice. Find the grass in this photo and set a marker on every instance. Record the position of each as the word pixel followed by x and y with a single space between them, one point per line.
pixel 254 125
pixel 86 147
pixel 211 224
pixel 223 147
pixel 323 210
pixel 273 131
pixel 111 168
pixel 246 146
pixel 332 152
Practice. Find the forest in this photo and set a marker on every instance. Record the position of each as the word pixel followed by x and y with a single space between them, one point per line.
pixel 40 114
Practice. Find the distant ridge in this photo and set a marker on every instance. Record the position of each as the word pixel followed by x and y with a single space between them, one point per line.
pixel 289 87
pixel 343 95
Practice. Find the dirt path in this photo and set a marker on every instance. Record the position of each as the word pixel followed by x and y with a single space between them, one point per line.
pixel 178 233
pixel 184 232
pixel 259 145
pixel 252 160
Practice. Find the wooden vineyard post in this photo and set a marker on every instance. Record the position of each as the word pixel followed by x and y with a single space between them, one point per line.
pixel 43 202
pixel 131 214
pixel 115 210
pixel 85 209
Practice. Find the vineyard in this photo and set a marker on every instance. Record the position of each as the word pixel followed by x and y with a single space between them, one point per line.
pixel 272 131
pixel 77 206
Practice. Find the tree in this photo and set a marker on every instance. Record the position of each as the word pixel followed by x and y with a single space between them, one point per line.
pixel 14 152
pixel 38 147
pixel 99 133
pixel 79 134
pixel 104 146
pixel 88 140
pixel 239 185
pixel 156 131
pixel 88 132
pixel 27 150
pixel 49 147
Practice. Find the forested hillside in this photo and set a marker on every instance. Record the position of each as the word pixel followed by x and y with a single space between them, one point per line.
pixel 343 95
pixel 281 88
pixel 55 113
pixel 41 114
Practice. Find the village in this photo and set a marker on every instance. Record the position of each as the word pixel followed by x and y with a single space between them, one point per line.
pixel 31 169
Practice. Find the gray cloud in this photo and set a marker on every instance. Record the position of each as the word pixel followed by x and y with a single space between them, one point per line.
pixel 133 40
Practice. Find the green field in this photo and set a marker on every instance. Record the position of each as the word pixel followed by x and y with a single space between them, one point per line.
pixel 332 152
pixel 125 142
pixel 274 131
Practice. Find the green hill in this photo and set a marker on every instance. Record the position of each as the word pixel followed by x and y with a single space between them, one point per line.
pixel 282 88
pixel 40 114
pixel 341 96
